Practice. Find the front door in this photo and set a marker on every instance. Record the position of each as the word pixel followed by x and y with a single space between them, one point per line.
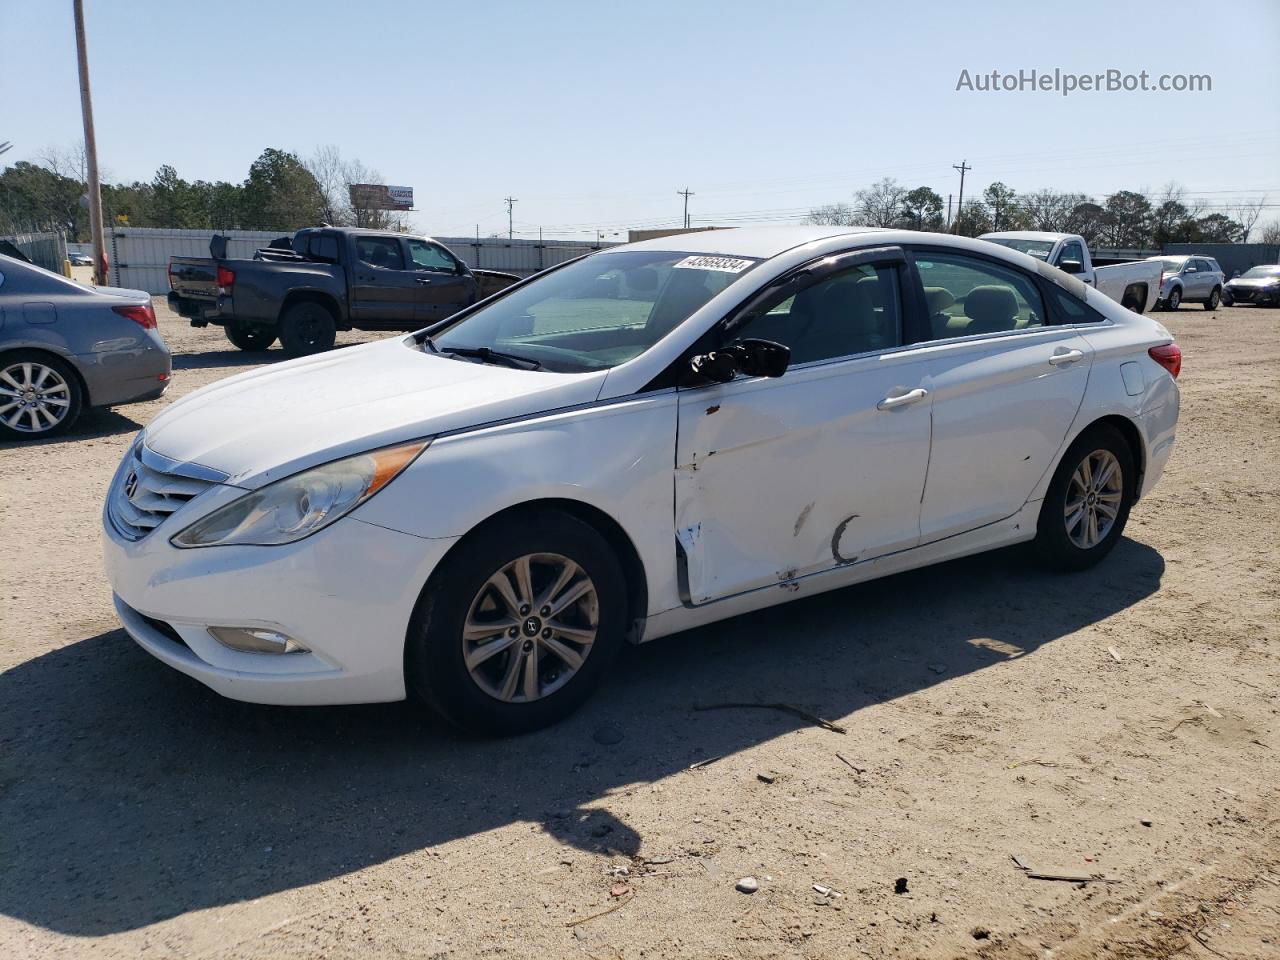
pixel 824 466
pixel 383 292
pixel 442 287
pixel 1006 388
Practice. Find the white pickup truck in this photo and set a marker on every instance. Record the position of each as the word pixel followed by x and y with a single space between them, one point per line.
pixel 1134 284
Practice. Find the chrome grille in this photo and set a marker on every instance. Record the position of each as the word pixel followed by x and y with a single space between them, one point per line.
pixel 149 488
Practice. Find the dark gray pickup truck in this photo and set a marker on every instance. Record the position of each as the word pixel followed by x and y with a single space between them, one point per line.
pixel 326 279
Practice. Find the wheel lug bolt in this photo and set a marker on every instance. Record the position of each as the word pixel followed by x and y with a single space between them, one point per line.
pixel 512 632
pixel 546 634
pixel 546 611
pixel 524 609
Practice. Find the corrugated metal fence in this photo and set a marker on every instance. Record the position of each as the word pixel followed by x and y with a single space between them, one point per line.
pixel 140 255
pixel 49 250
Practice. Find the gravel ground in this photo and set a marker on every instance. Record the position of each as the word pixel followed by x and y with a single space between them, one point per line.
pixel 986 717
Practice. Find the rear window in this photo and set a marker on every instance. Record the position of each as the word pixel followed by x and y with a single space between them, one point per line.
pixel 323 247
pixel 380 252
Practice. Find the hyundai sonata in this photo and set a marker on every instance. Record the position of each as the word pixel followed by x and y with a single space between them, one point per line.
pixel 652 437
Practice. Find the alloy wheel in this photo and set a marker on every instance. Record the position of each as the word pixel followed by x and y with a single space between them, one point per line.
pixel 34 398
pixel 530 628
pixel 1094 496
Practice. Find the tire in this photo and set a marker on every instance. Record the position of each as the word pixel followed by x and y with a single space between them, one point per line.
pixel 1174 300
pixel 248 338
pixel 306 328
pixel 40 395
pixel 1214 299
pixel 482 701
pixel 1227 299
pixel 1064 540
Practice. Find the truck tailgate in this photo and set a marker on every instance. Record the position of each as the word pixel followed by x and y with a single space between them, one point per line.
pixel 194 277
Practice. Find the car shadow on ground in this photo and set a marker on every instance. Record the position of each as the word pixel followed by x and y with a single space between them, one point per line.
pixel 131 794
pixel 93 422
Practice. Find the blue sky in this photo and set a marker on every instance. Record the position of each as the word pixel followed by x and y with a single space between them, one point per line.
pixel 594 114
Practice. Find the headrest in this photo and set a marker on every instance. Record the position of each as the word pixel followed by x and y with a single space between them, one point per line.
pixel 991 308
pixel 938 299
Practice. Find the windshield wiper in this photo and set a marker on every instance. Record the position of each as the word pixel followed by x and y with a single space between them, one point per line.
pixel 485 355
pixel 424 340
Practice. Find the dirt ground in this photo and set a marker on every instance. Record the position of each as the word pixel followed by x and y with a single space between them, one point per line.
pixel 1119 723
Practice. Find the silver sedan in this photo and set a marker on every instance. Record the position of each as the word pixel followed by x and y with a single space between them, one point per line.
pixel 64 347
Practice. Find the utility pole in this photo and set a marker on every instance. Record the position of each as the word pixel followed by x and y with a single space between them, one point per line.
pixel 90 151
pixel 511 202
pixel 686 193
pixel 964 165
pixel 949 196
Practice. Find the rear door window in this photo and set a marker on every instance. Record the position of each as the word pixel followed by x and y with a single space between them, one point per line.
pixel 381 252
pixel 428 256
pixel 965 296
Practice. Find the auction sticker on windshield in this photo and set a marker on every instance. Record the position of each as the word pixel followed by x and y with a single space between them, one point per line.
pixel 721 264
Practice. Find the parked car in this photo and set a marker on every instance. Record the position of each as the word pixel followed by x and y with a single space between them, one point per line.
pixel 80 259
pixel 323 280
pixel 65 346
pixel 653 437
pixel 1189 279
pixel 1258 285
pixel 1134 284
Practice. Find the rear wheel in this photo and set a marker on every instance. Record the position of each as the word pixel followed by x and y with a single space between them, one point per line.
pixel 1214 299
pixel 519 626
pixel 1088 501
pixel 1174 300
pixel 249 338
pixel 39 395
pixel 307 327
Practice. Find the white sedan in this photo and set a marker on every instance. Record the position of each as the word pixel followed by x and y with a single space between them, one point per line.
pixel 653 437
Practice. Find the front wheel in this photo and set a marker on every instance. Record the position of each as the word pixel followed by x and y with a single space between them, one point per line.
pixel 247 338
pixel 1227 299
pixel 1088 501
pixel 518 626
pixel 1214 299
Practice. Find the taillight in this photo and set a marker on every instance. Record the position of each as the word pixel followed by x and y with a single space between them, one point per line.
pixel 1168 356
pixel 143 315
pixel 171 271
pixel 226 280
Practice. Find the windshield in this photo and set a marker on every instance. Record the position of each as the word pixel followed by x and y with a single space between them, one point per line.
pixel 601 311
pixel 1171 266
pixel 1037 248
pixel 1261 273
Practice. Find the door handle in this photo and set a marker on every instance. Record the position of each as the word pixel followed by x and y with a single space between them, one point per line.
pixel 888 403
pixel 423 280
pixel 1066 356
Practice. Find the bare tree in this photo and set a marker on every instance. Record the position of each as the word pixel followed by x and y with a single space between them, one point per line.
pixel 1271 232
pixel 327 166
pixel 1247 213
pixel 832 215
pixel 1050 209
pixel 880 205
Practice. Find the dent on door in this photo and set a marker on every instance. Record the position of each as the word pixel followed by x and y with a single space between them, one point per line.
pixel 779 479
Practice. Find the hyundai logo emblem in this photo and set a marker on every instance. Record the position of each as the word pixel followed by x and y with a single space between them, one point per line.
pixel 131 484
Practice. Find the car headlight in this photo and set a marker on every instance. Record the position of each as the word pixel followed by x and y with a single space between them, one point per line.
pixel 298 506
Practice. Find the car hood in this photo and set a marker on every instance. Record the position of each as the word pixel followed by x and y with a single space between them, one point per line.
pixel 1252 282
pixel 265 424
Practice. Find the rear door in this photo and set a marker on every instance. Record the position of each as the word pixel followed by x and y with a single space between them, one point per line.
pixel 824 466
pixel 383 290
pixel 441 285
pixel 1006 387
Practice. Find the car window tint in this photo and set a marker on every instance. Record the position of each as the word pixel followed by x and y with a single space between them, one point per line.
pixel 427 256
pixel 323 247
pixel 1072 251
pixel 380 252
pixel 855 311
pixel 966 296
pixel 1069 309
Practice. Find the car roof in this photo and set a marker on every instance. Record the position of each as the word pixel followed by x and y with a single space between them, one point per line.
pixel 1045 235
pixel 762 242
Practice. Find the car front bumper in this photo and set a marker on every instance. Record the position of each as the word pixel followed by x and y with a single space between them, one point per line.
pixel 346 594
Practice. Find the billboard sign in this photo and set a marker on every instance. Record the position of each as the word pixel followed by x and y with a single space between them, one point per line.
pixel 379 196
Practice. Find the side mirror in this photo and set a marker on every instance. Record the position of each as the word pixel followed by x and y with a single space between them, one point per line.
pixel 755 358
pixel 1071 266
